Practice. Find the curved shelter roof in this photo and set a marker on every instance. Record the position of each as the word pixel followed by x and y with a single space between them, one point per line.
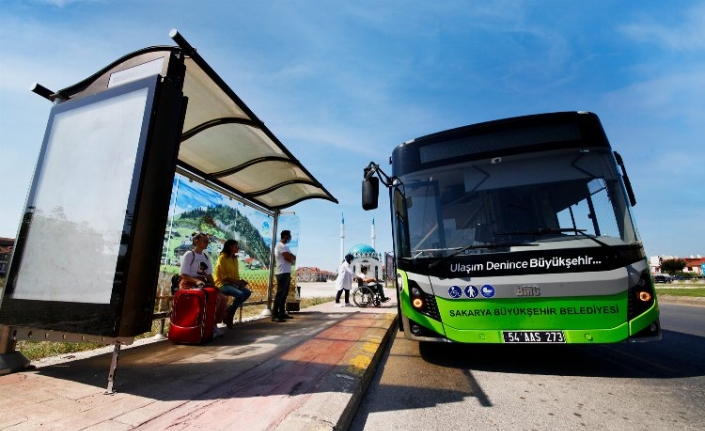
pixel 223 143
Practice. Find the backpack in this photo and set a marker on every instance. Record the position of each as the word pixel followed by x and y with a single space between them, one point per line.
pixel 176 278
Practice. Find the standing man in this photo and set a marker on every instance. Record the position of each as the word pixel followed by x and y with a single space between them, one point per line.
pixel 284 260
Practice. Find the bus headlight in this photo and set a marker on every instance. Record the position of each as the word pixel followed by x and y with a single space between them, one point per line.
pixel 423 302
pixel 641 295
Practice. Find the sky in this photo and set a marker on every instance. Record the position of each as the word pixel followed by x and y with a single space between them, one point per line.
pixel 341 84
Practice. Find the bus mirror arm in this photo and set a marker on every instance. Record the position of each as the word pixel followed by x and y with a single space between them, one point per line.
pixel 625 177
pixel 373 168
pixel 370 185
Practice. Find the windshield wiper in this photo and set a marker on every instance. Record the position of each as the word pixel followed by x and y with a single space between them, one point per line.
pixel 476 246
pixel 552 231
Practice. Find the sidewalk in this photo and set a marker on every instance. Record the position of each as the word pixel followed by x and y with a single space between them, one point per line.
pixel 305 374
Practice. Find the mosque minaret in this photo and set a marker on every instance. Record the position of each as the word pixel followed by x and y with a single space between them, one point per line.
pixel 342 236
pixel 373 236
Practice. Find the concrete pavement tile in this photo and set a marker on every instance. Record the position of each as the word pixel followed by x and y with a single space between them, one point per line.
pixel 96 409
pixel 26 385
pixel 25 394
pixel 148 412
pixel 87 418
pixel 179 418
pixel 29 427
pixel 111 426
pixel 317 351
pixel 76 391
pixel 9 419
pixel 50 412
pixel 167 389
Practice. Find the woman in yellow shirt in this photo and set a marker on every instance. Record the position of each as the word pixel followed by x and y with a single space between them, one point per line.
pixel 227 279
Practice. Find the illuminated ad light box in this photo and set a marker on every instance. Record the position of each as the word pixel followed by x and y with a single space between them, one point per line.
pixel 86 258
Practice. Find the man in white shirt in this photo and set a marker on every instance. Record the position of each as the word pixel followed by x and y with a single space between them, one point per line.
pixel 283 259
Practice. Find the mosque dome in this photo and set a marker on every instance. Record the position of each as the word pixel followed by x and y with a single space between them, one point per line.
pixel 363 250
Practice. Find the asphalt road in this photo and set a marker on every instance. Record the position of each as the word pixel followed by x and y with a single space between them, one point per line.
pixel 656 386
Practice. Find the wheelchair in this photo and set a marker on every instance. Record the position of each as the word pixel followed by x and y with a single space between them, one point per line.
pixel 366 294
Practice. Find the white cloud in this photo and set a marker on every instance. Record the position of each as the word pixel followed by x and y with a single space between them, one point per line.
pixel 677 95
pixel 687 33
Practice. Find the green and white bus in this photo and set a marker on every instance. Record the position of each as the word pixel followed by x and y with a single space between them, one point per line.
pixel 517 231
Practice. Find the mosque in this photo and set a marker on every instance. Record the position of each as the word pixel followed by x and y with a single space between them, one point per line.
pixel 365 255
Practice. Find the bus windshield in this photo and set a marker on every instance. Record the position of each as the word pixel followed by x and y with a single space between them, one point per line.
pixel 542 200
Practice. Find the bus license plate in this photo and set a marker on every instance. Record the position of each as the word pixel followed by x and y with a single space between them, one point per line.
pixel 533 336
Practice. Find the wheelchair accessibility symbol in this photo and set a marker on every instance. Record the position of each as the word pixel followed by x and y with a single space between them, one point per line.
pixel 455 292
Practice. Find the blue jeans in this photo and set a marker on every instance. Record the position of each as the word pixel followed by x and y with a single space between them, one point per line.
pixel 239 293
pixel 283 280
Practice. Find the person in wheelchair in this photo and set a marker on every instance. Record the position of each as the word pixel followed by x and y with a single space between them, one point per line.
pixel 372 282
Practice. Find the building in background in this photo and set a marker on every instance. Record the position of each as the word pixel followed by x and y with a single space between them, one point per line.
pixel 694 265
pixel 6 245
pixel 312 273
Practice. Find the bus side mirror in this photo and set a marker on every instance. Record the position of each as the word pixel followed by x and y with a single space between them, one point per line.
pixel 370 193
pixel 625 177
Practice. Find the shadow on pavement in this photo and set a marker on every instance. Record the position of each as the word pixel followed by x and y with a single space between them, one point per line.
pixel 659 360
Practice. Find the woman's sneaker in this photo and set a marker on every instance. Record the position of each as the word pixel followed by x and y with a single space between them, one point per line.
pixel 217 332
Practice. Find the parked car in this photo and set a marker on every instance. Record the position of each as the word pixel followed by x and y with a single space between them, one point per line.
pixel 663 278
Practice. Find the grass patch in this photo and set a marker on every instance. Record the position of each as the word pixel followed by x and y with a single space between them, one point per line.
pixel 678 291
pixel 43 349
pixel 34 350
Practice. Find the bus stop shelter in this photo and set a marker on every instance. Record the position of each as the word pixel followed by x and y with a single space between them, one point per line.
pixel 223 144
pixel 204 132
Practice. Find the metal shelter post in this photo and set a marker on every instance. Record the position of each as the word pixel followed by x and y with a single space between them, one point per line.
pixel 272 260
pixel 113 369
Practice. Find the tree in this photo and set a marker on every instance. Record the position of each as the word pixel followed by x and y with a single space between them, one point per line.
pixel 672 266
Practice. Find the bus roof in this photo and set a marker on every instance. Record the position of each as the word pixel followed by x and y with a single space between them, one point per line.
pixel 514 135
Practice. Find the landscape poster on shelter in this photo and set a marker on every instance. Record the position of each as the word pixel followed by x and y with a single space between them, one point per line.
pixel 197 208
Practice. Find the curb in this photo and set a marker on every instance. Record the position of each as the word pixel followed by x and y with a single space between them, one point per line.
pixel 682 300
pixel 334 405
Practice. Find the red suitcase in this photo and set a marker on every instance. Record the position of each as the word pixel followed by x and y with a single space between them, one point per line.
pixel 193 315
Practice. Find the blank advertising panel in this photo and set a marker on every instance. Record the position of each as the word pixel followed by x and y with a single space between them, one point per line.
pixel 67 268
